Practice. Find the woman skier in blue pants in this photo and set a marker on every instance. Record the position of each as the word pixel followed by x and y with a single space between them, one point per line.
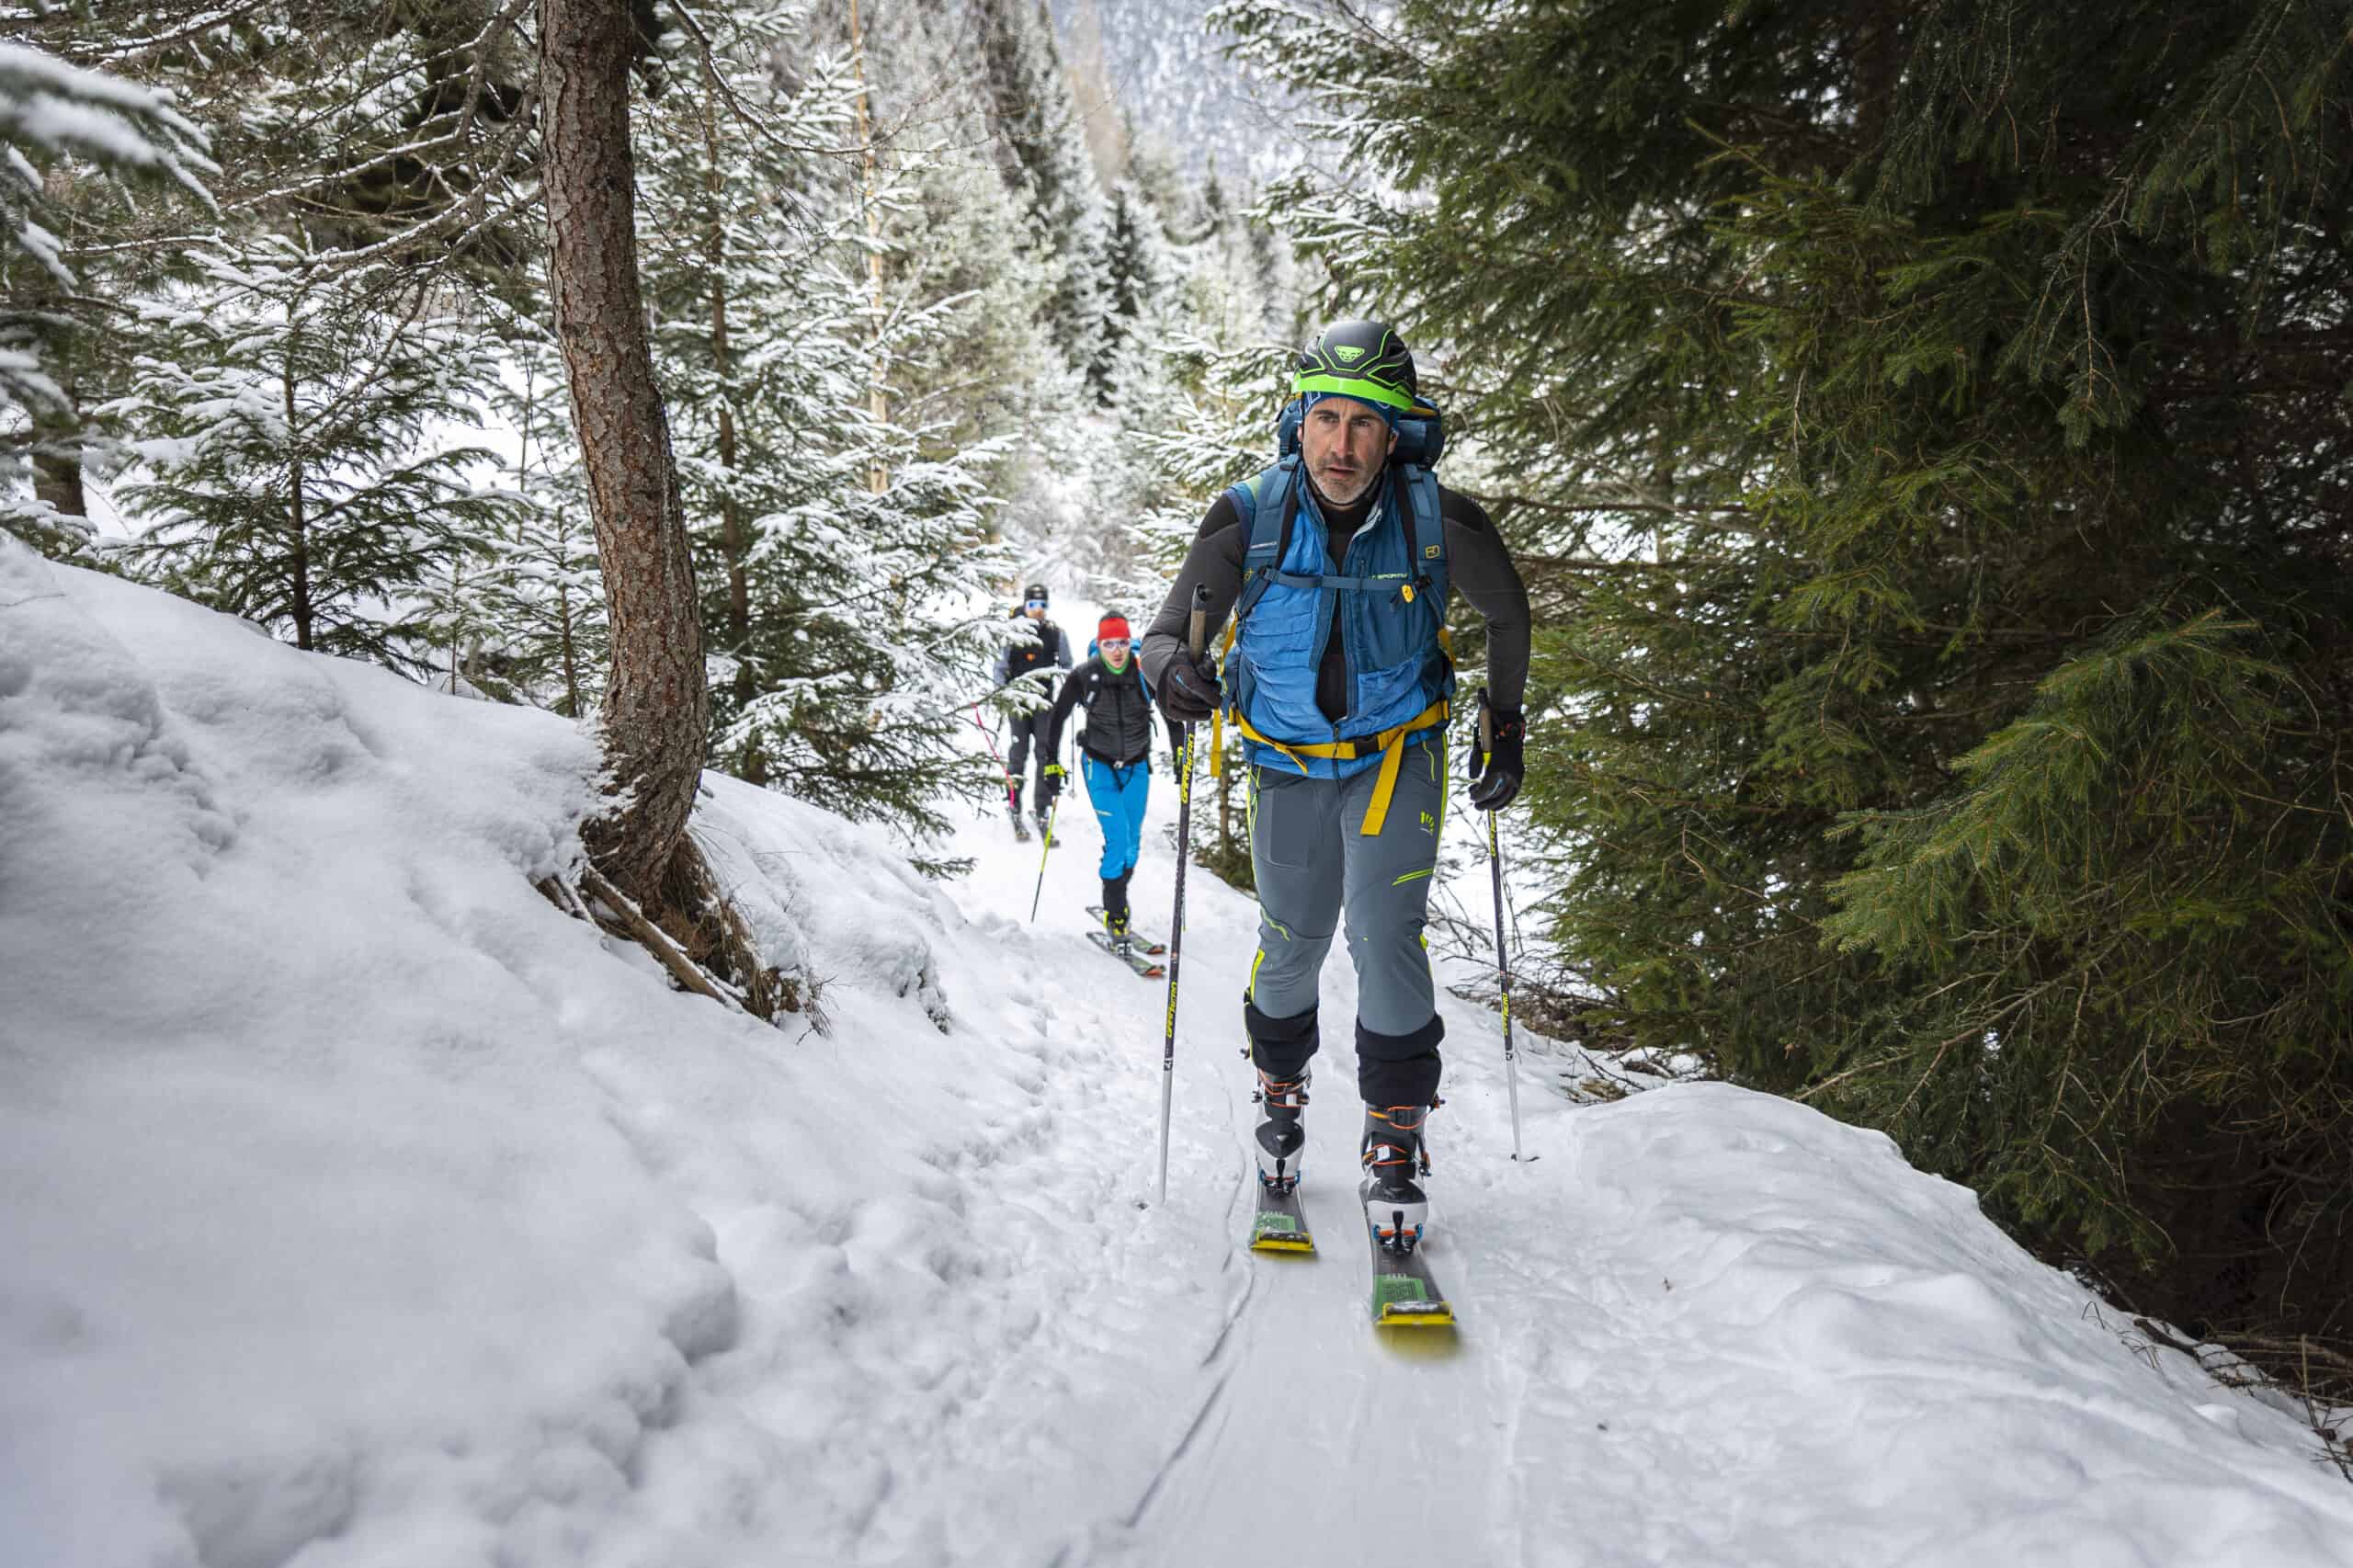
pixel 1115 746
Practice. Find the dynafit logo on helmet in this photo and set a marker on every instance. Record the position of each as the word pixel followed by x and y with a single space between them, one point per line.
pixel 1349 355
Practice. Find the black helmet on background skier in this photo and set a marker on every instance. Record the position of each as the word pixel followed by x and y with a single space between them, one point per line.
pixel 1031 659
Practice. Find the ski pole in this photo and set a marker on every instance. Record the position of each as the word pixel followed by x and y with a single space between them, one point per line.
pixel 1053 808
pixel 1503 956
pixel 997 756
pixel 1197 638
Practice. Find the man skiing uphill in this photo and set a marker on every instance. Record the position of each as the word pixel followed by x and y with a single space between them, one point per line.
pixel 1115 758
pixel 1336 564
pixel 1045 649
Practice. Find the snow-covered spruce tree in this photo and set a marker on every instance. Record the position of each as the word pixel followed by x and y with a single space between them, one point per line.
pixel 843 633
pixel 405 131
pixel 1139 274
pixel 1042 153
pixel 395 134
pixel 1199 389
pixel 540 597
pixel 956 247
pixel 1214 427
pixel 295 462
pixel 961 246
pixel 67 136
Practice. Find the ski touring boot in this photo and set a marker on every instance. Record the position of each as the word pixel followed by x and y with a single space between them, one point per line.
pixel 1395 1159
pixel 1012 808
pixel 1282 1142
pixel 1115 927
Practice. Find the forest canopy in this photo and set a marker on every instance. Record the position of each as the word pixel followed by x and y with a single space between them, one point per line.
pixel 1925 429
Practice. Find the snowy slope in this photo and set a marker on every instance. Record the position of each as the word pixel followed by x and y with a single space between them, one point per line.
pixel 358 1208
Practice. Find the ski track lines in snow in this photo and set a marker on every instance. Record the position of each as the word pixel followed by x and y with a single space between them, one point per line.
pixel 359 1209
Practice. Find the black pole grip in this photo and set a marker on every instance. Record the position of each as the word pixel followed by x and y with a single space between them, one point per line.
pixel 1198 637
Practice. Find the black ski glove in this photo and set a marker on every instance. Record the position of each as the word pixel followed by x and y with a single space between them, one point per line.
pixel 1190 693
pixel 1497 775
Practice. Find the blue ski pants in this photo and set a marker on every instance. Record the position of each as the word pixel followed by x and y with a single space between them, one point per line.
pixel 1118 795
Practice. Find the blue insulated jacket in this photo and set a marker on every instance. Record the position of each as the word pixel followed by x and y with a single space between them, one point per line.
pixel 1389 629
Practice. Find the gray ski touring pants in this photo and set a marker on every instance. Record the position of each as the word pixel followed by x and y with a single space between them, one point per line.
pixel 1315 865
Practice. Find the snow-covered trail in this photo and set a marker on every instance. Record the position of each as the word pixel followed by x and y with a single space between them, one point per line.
pixel 1698 1327
pixel 1293 1398
pixel 359 1209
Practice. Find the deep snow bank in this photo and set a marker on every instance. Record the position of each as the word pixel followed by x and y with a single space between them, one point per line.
pixel 358 1208
pixel 352 1197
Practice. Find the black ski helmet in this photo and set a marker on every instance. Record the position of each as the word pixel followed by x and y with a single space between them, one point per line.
pixel 1035 594
pixel 1363 359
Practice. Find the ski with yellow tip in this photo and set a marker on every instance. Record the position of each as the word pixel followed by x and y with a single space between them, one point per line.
pixel 1280 1225
pixel 1404 1293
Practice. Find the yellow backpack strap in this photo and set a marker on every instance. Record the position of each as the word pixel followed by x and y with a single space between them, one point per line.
pixel 1391 744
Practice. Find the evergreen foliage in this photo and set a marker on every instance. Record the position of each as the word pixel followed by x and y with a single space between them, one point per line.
pixel 404 133
pixel 1138 278
pixel 377 135
pixel 540 600
pixel 1043 156
pixel 57 116
pixel 841 616
pixel 300 471
pixel 371 284
pixel 1221 402
pixel 1926 441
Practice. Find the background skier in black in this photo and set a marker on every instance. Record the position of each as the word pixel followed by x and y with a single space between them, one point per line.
pixel 1032 664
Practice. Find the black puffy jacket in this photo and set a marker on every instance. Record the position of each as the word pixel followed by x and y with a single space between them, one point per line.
pixel 1118 714
pixel 1046 651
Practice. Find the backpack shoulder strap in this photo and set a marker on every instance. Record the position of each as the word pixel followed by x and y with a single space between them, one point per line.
pixel 1269 506
pixel 1418 508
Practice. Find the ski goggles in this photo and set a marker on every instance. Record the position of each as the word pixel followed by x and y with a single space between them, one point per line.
pixel 1033 604
pixel 1113 645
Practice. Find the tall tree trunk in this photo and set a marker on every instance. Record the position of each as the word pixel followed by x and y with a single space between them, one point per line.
pixel 656 716
pixel 299 592
pixel 456 585
pixel 571 708
pixel 1878 70
pixel 57 451
pixel 57 473
pixel 571 655
pixel 878 400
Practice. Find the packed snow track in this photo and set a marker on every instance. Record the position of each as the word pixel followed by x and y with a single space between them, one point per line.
pixel 358 1208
